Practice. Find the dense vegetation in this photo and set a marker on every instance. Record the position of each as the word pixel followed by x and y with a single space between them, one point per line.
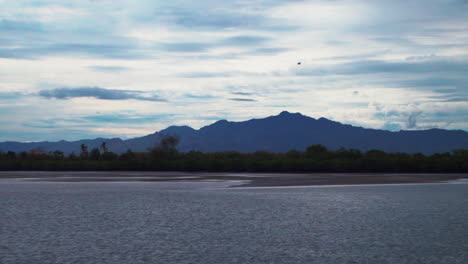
pixel 165 157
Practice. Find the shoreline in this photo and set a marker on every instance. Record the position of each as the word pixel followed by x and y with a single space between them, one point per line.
pixel 354 179
pixel 247 179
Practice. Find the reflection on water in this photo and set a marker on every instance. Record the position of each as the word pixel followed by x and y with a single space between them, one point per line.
pixel 202 222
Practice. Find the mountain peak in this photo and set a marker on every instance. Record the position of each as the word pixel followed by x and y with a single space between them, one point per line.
pixel 286 114
pixel 177 130
pixel 222 121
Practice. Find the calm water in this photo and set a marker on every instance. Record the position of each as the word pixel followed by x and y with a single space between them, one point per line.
pixel 144 222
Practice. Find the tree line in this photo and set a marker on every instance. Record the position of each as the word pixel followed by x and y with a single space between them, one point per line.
pixel 165 157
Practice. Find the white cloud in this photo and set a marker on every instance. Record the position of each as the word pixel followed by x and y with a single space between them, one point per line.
pixel 61 42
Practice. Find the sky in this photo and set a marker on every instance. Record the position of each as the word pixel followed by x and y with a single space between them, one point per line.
pixel 80 69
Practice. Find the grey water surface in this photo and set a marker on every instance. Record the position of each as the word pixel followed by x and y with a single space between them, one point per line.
pixel 206 222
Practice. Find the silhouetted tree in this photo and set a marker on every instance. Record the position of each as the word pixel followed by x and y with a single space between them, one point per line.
pixel 374 153
pixel 23 155
pixel 57 155
pixel 11 155
pixel 316 151
pixel 293 154
pixel 84 151
pixel 314 159
pixel 167 147
pixel 95 154
pixel 109 156
pixel 104 147
pixel 461 153
pixel 129 155
pixel 37 153
pixel 72 156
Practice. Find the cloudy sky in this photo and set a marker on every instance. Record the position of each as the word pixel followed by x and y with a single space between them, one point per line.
pixel 88 68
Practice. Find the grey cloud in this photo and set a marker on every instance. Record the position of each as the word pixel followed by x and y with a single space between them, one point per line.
pixel 455 97
pixel 242 99
pixel 411 16
pixel 216 15
pixel 218 74
pixel 379 66
pixel 19 26
pixel 392 126
pixel 11 95
pixel 267 51
pixel 361 56
pixel 412 120
pixel 425 57
pixel 242 93
pixel 252 52
pixel 213 20
pixel 98 93
pixel 407 43
pixel 207 74
pixel 435 82
pixel 244 40
pixel 187 46
pixel 109 68
pixel 126 118
pixel 446 91
pixel 200 96
pixel 122 51
pixel 102 50
pixel 395 120
pixel 236 41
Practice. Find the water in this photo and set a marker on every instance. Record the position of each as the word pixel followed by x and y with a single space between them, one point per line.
pixel 203 222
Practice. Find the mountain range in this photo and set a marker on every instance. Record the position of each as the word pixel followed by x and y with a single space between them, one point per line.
pixel 279 133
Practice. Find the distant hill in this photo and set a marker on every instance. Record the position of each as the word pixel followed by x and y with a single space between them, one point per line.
pixel 279 133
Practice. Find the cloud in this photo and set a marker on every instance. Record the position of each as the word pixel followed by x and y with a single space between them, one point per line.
pixel 114 51
pixel 457 99
pixel 125 118
pixel 210 20
pixel 11 95
pixel 244 41
pixel 242 93
pixel 454 97
pixel 266 51
pixel 207 74
pixel 200 96
pixel 242 99
pixel 409 60
pixel 460 81
pixel 361 56
pixel 109 68
pixel 217 16
pixel 186 46
pixel 412 120
pixel 380 66
pixel 98 93
pixel 392 126
pixel 219 74
pixel 19 26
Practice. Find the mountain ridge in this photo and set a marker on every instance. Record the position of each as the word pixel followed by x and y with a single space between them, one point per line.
pixel 277 133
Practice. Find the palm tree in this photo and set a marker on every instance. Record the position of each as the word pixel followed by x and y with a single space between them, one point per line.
pixel 84 151
pixel 104 147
